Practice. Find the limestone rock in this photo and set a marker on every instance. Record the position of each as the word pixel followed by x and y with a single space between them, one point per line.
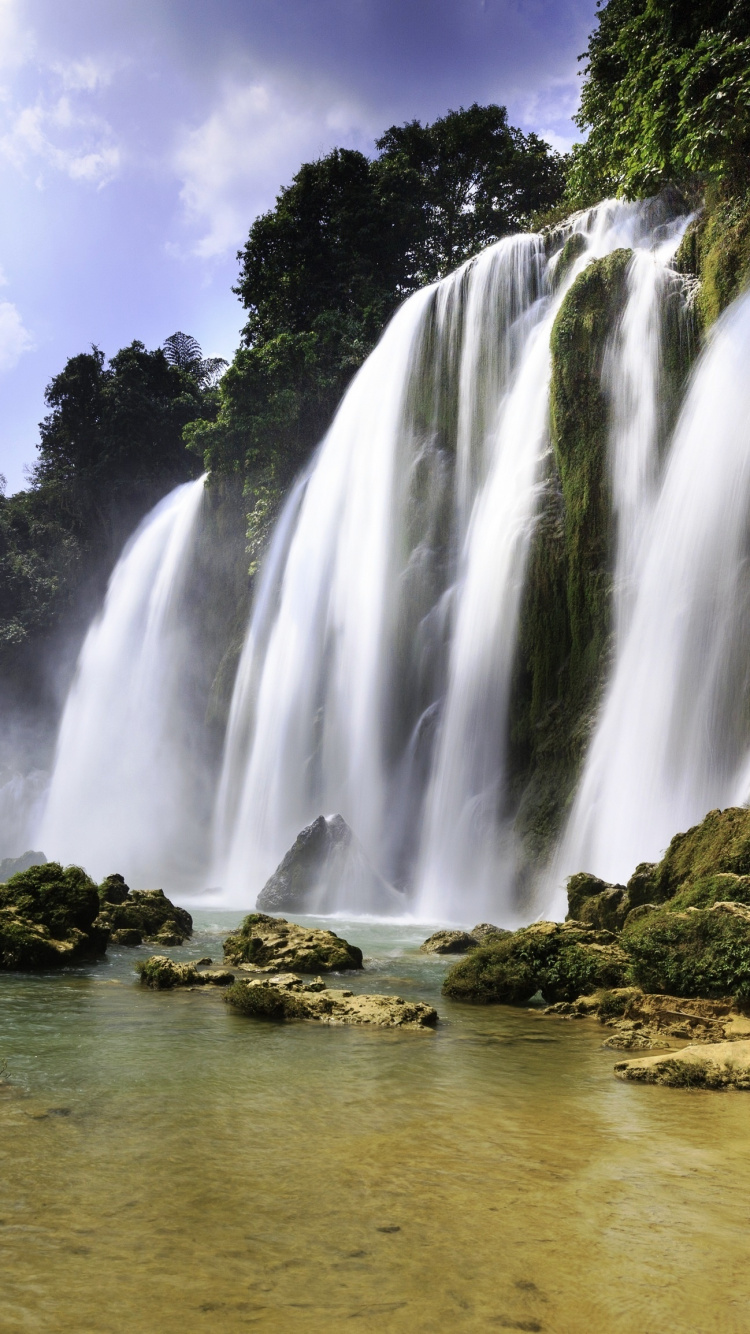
pixel 325 864
pixel 719 1065
pixel 485 933
pixel 449 942
pixel 49 917
pixel 272 944
pixel 136 915
pixel 287 997
pixel 12 865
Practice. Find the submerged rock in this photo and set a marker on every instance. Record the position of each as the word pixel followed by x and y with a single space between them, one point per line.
pixel 162 974
pixel 563 962
pixel 719 1065
pixel 12 865
pixel 287 997
pixel 325 859
pixel 136 915
pixel 272 944
pixel 49 917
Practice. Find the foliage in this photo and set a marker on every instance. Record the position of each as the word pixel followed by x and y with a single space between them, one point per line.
pixel 698 953
pixel 261 1001
pixel 111 446
pixel 48 918
pixel 349 239
pixel 185 353
pixel 666 97
pixel 561 963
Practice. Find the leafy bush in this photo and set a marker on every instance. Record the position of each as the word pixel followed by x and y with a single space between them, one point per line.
pixel 263 1001
pixel 699 953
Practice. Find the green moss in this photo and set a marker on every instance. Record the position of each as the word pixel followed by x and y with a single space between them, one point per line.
pixel 162 974
pixel 146 914
pixel 263 1002
pixel 272 942
pixel 700 953
pixel 720 844
pixel 716 250
pixel 564 624
pixel 561 963
pixel 48 917
pixel 571 251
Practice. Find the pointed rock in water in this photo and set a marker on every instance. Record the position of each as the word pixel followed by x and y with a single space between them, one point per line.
pixel 273 945
pixel 136 915
pixel 326 865
pixel 12 865
pixel 49 917
pixel 288 997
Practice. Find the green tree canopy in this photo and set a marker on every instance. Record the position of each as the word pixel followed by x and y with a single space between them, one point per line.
pixel 323 271
pixel 666 97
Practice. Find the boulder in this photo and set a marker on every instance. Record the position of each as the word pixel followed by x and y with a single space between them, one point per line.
pixel 449 942
pixel 49 917
pixel 563 962
pixel 597 904
pixel 162 974
pixel 716 1065
pixel 325 866
pixel 274 945
pixel 12 865
pixel 287 997
pixel 484 933
pixel 136 915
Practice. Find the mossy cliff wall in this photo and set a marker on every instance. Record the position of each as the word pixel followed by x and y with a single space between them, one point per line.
pixel 716 251
pixel 564 632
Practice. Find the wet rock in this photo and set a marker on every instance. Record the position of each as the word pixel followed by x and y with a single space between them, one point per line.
pixel 562 961
pixel 49 917
pixel 720 1065
pixel 137 915
pixel 272 944
pixel 12 865
pixel 162 974
pixel 449 942
pixel 324 858
pixel 485 933
pixel 288 997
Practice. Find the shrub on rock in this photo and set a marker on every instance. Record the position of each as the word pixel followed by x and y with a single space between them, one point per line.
pixel 560 961
pixel 48 917
pixel 701 952
pixel 263 1002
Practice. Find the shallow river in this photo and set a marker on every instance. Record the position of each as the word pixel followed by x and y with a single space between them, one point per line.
pixel 167 1165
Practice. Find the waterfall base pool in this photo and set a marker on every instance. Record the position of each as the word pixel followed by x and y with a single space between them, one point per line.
pixel 169 1165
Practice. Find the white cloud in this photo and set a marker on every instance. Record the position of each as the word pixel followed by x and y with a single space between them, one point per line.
pixel 16 43
pixel 234 164
pixel 71 141
pixel 15 339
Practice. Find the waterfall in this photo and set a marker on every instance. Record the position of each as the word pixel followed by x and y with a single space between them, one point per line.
pixel 122 791
pixel 672 739
pixel 375 677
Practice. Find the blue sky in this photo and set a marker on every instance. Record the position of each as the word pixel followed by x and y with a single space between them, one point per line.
pixel 139 139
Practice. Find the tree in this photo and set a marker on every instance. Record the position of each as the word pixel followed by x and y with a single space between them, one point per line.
pixel 323 271
pixel 666 97
pixel 185 353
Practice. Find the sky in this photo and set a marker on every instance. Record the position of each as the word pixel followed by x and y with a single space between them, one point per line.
pixel 139 139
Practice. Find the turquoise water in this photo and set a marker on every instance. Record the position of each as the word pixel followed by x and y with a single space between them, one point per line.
pixel 167 1164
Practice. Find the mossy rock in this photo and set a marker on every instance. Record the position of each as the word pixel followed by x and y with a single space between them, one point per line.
pixel 48 917
pixel 716 250
pixel 701 952
pixel 137 915
pixel 276 945
pixel 263 1002
pixel 561 962
pixel 162 973
pixel 720 844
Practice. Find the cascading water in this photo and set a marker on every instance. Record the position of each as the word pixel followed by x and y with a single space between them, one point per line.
pixel 376 672
pixel 123 784
pixel 673 734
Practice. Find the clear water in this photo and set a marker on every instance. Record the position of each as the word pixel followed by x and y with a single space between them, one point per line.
pixel 168 1165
